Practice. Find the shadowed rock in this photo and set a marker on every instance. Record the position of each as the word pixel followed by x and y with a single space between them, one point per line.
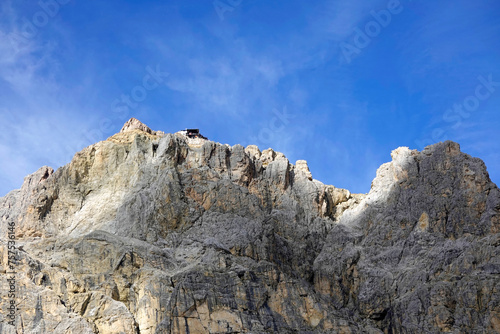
pixel 147 232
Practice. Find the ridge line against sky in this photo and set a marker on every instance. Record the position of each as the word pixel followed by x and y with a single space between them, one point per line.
pixel 351 80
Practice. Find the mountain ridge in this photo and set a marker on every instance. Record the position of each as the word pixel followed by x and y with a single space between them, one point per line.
pixel 203 237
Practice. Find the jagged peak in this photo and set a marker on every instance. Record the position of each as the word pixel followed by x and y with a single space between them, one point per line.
pixel 448 147
pixel 180 218
pixel 133 124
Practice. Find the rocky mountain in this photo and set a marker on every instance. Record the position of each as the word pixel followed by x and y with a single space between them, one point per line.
pixel 148 232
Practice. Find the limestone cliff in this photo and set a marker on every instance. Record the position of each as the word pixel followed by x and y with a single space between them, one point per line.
pixel 148 232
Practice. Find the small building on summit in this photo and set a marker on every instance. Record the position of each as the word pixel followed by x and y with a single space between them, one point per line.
pixel 193 133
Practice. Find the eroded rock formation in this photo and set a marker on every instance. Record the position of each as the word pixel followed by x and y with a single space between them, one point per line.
pixel 149 232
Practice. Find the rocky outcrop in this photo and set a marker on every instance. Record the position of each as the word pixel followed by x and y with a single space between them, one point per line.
pixel 151 233
pixel 420 252
pixel 135 124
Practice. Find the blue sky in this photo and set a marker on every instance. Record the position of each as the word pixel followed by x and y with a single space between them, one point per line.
pixel 337 83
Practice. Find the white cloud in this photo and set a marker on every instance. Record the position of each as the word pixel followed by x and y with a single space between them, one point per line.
pixel 224 84
pixel 37 119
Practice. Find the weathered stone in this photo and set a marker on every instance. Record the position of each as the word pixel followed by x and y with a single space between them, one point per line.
pixel 302 167
pixel 407 255
pixel 153 233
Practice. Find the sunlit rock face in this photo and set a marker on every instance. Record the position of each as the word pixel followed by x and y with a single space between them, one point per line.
pixel 149 232
pixel 420 252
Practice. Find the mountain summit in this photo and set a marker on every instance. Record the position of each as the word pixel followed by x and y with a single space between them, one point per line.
pixel 148 232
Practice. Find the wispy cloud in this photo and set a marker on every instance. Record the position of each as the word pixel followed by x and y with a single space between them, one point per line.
pixel 37 121
pixel 224 84
pixel 337 19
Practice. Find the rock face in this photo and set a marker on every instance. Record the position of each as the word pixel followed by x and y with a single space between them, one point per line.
pixel 135 124
pixel 151 233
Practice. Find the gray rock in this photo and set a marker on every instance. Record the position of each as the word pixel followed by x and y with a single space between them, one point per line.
pixel 157 233
pixel 413 249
